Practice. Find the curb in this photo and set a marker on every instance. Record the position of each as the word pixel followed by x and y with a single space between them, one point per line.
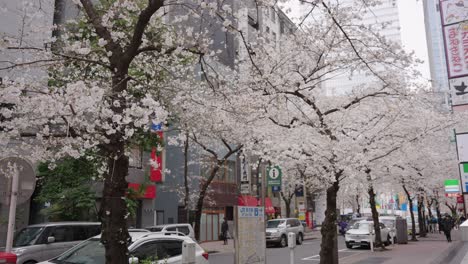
pixel 449 254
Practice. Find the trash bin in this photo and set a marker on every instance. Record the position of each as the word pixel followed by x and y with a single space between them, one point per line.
pixel 464 231
pixel 7 258
pixel 401 231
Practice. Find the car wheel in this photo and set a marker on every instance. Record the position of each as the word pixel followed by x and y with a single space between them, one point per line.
pixel 283 241
pixel 348 245
pixel 389 240
pixel 30 262
pixel 300 239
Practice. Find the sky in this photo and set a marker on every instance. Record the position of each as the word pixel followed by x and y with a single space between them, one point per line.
pixel 412 29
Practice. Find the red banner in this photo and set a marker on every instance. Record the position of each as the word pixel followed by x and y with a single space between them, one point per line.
pixel 150 191
pixel 156 173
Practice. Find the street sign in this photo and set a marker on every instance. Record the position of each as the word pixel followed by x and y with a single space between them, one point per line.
pixel 245 176
pixel 274 176
pixel 26 179
pixel 452 186
pixel 276 188
pixel 249 231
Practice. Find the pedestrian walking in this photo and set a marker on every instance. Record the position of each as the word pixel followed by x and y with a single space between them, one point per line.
pixel 447 224
pixel 224 231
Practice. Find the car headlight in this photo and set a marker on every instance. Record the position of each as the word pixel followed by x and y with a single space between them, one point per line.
pixel 18 251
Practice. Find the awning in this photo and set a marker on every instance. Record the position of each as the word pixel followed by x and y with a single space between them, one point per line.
pixel 249 200
pixel 149 192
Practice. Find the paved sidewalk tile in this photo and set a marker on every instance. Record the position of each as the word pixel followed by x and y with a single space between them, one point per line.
pixel 430 250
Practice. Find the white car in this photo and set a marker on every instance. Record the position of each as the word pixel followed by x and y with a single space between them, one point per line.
pixel 165 247
pixel 183 228
pixel 359 234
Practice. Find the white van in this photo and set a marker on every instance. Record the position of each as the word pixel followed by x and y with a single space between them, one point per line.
pixel 41 242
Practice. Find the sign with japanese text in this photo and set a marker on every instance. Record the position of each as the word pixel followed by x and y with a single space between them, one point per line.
pixel 453 11
pixel 459 90
pixel 250 235
pixel 456 48
pixel 452 186
pixel 462 146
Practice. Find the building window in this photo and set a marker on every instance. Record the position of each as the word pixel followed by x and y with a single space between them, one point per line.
pixel 135 158
pixel 273 14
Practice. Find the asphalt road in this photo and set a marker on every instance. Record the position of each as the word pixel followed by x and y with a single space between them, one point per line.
pixel 307 253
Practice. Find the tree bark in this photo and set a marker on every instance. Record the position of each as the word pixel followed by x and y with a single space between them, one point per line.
pixel 358 210
pixel 201 199
pixel 375 217
pixel 114 208
pixel 287 202
pixel 329 245
pixel 186 184
pixel 413 223
pixel 422 231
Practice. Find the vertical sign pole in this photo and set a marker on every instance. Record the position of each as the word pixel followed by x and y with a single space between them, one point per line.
pixel 12 214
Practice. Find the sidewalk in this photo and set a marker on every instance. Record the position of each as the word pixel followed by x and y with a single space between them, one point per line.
pixel 434 249
pixel 218 247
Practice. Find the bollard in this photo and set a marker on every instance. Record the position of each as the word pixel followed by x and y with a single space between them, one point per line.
pixel 392 236
pixel 291 245
pixel 371 241
pixel 188 252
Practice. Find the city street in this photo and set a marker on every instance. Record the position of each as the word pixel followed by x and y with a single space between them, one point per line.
pixel 308 252
pixel 433 249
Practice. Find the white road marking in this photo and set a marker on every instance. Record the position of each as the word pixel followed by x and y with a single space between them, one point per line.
pixel 318 256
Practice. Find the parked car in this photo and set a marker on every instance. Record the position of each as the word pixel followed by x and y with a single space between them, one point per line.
pixel 277 231
pixel 354 221
pixel 359 234
pixel 410 226
pixel 183 228
pixel 165 247
pixel 44 241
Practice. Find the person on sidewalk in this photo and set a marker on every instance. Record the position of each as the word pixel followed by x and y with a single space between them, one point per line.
pixel 224 231
pixel 447 225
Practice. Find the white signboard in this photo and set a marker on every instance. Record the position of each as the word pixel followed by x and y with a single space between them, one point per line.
pixel 454 11
pixel 456 48
pixel 464 176
pixel 250 235
pixel 459 90
pixel 462 147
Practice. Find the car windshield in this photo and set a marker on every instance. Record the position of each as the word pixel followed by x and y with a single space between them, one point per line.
pixel 88 252
pixel 27 236
pixel 156 229
pixel 361 226
pixel 274 223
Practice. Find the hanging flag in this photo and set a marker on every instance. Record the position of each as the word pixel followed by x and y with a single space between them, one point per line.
pixel 156 173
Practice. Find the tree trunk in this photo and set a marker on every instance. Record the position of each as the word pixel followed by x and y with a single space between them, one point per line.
pixel 439 215
pixel 114 208
pixel 358 211
pixel 287 202
pixel 413 223
pixel 329 245
pixel 375 218
pixel 201 199
pixel 422 231
pixel 186 184
pixel 429 203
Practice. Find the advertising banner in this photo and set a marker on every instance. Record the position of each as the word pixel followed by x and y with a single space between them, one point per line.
pixel 464 176
pixel 459 90
pixel 250 234
pixel 462 147
pixel 456 49
pixel 454 11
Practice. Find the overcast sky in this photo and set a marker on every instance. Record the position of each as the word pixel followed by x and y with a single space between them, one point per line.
pixel 412 28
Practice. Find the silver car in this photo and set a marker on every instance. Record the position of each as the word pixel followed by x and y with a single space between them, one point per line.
pixel 40 242
pixel 277 231
pixel 145 247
